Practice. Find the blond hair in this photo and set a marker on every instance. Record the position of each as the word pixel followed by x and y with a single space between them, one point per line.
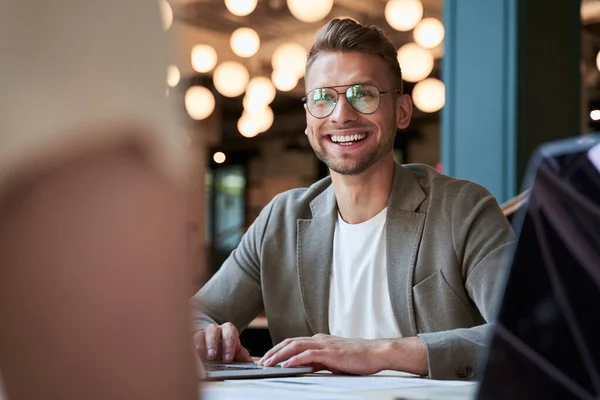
pixel 347 34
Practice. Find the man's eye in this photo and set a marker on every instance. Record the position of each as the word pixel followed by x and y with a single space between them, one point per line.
pixel 323 98
pixel 364 94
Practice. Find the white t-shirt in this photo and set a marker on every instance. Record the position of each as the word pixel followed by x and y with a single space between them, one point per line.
pixel 359 298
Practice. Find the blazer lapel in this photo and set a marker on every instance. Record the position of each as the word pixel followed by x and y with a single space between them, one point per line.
pixel 404 228
pixel 315 253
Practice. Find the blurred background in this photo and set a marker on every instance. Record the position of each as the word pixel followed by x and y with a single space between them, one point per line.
pixel 490 80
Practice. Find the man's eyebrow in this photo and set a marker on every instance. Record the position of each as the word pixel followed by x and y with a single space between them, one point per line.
pixel 358 82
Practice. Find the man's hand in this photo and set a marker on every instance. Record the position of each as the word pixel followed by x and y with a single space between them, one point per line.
pixel 352 356
pixel 221 342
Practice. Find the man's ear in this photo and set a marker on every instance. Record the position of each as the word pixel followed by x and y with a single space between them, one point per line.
pixel 307 114
pixel 404 111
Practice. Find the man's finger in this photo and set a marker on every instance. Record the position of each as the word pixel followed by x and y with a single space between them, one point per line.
pixel 200 343
pixel 278 347
pixel 274 350
pixel 212 338
pixel 231 341
pixel 307 357
pixel 294 348
pixel 200 371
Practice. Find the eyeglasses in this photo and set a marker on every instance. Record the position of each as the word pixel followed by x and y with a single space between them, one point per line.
pixel 363 97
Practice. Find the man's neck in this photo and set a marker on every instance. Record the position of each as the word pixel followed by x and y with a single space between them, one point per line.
pixel 363 196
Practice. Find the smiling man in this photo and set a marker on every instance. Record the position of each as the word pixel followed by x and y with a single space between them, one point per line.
pixel 379 266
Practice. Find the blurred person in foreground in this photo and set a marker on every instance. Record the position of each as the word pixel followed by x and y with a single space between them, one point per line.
pixel 379 266
pixel 93 260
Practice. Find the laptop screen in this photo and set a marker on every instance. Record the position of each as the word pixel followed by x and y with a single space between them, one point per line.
pixel 546 342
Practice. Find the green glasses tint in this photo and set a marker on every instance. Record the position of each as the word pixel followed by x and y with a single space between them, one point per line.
pixel 363 97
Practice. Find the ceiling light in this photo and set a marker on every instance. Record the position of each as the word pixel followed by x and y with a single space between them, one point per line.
pixel 261 90
pixel 204 58
pixel 429 95
pixel 166 14
pixel 290 57
pixel 230 78
pixel 240 7
pixel 219 157
pixel 173 75
pixel 199 102
pixel 403 15
pixel 248 126
pixel 284 80
pixel 429 33
pixel 310 10
pixel 416 62
pixel 244 42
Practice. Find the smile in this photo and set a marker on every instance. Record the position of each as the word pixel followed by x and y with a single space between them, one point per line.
pixel 348 139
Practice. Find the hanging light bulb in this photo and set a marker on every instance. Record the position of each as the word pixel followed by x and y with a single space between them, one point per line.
pixel 266 119
pixel 173 75
pixel 429 95
pixel 310 10
pixel 284 80
pixel 403 15
pixel 204 58
pixel 252 105
pixel 199 102
pixel 166 14
pixel 416 62
pixel 429 33
pixel 231 78
pixel 290 57
pixel 252 123
pixel 240 7
pixel 244 42
pixel 248 126
pixel 261 90
pixel 219 157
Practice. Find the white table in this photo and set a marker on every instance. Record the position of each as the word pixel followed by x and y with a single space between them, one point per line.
pixel 253 389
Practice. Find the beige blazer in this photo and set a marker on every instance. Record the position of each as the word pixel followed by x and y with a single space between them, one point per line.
pixel 446 240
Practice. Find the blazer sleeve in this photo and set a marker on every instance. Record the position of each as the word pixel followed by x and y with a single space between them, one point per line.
pixel 234 293
pixel 482 239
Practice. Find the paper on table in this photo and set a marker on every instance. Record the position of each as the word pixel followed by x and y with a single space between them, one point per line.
pixel 244 392
pixel 331 383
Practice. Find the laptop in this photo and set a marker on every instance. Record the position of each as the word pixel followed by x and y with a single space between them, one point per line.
pixel 244 370
pixel 546 339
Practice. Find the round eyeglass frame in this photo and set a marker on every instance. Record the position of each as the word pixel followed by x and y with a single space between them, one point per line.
pixel 345 93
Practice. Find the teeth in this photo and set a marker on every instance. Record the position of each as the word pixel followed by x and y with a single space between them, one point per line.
pixel 348 138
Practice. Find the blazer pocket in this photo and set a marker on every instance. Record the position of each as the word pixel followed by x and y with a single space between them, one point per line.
pixel 437 307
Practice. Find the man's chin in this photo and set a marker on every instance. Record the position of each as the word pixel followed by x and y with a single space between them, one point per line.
pixel 347 166
pixel 349 169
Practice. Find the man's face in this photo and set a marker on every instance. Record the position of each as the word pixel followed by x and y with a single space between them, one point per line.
pixel 348 141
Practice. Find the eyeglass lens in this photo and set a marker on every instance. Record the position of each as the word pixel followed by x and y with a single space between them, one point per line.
pixel 364 98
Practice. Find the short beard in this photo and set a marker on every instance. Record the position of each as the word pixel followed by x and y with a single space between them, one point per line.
pixel 362 165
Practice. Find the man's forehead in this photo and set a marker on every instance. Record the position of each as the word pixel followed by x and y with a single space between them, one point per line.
pixel 345 69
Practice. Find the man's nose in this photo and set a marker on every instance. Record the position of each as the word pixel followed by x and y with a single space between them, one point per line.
pixel 343 111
